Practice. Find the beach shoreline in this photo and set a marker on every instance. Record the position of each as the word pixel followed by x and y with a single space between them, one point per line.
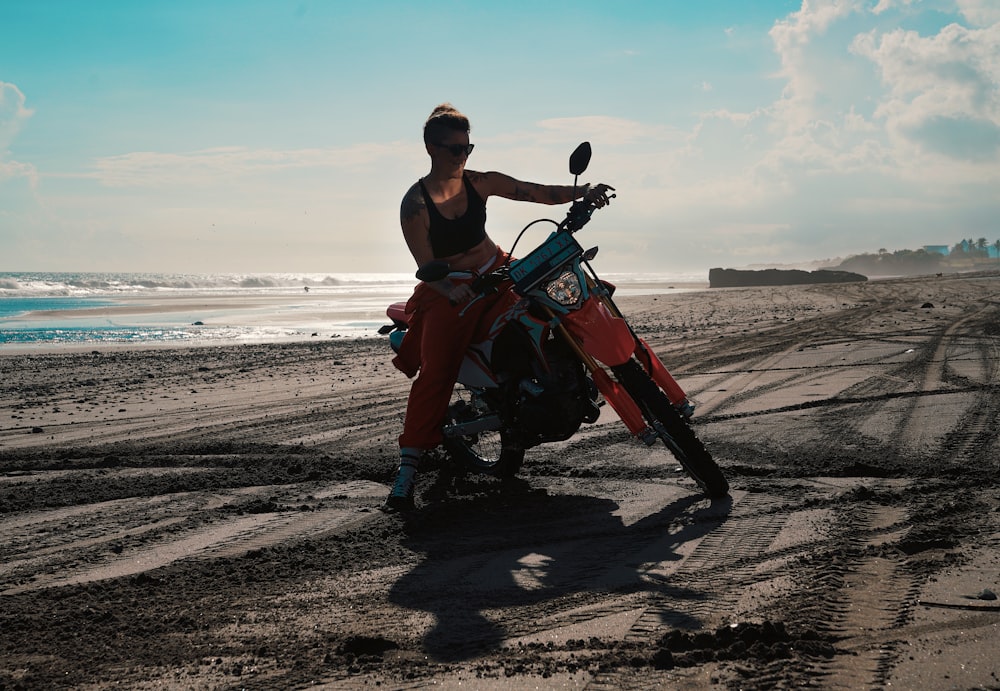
pixel 199 317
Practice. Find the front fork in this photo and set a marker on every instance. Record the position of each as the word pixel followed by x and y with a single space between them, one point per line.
pixel 647 357
pixel 654 367
pixel 614 393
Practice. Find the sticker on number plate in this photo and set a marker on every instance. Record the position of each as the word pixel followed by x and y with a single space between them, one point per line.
pixel 557 250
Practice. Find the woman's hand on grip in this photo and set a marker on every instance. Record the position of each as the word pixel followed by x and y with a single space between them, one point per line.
pixel 598 194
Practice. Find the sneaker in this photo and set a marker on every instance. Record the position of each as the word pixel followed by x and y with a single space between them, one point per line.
pixel 401 496
pixel 395 503
pixel 685 408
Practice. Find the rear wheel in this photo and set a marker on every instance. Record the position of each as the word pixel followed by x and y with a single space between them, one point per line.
pixel 672 429
pixel 494 452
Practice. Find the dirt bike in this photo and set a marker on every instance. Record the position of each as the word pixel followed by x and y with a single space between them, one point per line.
pixel 537 373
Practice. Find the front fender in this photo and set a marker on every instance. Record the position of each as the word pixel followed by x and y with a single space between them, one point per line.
pixel 601 334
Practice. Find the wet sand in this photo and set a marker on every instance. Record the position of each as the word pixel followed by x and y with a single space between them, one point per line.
pixel 205 517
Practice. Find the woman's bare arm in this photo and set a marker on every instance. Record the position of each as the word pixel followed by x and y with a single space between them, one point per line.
pixel 501 185
pixel 416 225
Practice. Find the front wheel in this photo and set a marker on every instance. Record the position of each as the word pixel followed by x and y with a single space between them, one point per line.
pixel 493 452
pixel 673 429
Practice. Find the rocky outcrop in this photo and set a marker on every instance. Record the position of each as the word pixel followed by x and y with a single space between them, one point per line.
pixel 738 278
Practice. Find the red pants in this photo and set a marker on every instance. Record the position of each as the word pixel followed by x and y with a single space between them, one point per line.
pixel 435 345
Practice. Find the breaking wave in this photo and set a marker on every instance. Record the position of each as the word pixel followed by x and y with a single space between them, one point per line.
pixel 55 284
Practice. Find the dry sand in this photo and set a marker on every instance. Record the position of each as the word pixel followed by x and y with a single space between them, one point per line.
pixel 204 518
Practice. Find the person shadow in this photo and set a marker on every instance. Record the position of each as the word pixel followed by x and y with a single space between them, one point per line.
pixel 502 558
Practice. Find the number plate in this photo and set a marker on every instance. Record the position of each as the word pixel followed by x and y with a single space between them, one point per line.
pixel 529 271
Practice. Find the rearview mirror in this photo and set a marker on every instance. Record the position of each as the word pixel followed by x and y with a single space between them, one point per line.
pixel 580 159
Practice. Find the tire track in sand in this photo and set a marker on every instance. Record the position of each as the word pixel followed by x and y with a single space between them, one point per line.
pixel 96 535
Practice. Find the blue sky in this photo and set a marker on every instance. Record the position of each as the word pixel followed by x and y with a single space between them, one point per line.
pixel 252 136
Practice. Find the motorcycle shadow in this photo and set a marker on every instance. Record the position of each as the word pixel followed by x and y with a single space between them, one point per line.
pixel 501 559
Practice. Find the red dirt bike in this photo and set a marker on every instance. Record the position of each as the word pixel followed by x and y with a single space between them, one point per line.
pixel 537 372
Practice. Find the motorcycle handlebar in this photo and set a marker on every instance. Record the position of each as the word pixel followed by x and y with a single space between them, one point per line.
pixel 579 214
pixel 487 283
pixel 577 217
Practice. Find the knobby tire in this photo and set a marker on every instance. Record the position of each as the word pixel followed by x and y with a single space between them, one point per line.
pixel 677 436
pixel 494 453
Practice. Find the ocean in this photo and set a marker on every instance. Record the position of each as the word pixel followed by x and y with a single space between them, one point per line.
pixel 54 310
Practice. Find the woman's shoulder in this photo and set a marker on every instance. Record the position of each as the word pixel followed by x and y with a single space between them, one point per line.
pixel 413 201
pixel 480 176
pixel 485 183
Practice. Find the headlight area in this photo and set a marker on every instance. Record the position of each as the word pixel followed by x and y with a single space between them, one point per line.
pixel 565 290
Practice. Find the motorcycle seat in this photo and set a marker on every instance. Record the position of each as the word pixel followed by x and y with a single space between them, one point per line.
pixel 397 312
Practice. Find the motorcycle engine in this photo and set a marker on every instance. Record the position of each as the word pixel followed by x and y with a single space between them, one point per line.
pixel 555 402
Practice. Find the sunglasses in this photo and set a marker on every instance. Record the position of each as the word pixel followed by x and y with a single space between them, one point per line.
pixel 457 149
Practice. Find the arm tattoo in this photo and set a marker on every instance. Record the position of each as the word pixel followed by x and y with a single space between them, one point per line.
pixel 557 194
pixel 525 192
pixel 413 204
pixel 543 194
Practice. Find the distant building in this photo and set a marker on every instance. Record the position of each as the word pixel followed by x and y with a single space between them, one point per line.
pixel 965 247
pixel 990 249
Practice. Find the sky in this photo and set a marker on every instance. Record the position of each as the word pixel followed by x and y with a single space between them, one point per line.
pixel 200 136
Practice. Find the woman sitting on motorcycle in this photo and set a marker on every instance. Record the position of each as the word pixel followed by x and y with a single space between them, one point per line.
pixel 443 217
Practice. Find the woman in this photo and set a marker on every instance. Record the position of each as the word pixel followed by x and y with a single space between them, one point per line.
pixel 443 217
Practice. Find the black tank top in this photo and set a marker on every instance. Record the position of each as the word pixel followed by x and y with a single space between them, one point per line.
pixel 450 236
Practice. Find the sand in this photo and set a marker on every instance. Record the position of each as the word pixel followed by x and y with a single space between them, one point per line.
pixel 205 517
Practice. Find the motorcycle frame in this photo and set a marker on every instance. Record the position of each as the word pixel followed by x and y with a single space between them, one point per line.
pixel 594 328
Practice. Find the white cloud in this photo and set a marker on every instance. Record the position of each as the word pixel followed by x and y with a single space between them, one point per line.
pixel 609 130
pixel 942 93
pixel 980 12
pixel 223 164
pixel 864 123
pixel 886 5
pixel 12 111
pixel 928 97
pixel 15 169
pixel 792 38
pixel 13 114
